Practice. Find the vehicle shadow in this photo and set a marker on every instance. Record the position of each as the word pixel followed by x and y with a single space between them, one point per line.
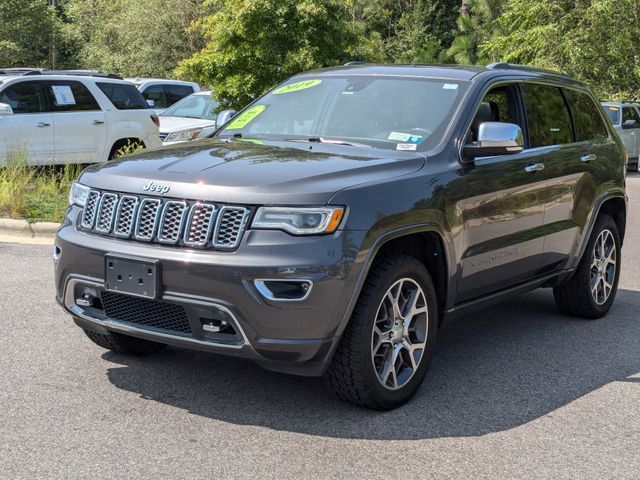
pixel 494 370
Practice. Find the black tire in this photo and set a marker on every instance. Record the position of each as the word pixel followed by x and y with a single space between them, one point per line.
pixel 124 344
pixel 352 374
pixel 575 297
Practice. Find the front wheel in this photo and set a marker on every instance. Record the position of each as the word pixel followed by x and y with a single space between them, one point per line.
pixel 591 290
pixel 386 349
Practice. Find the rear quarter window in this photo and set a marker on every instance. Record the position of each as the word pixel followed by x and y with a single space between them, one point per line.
pixel 123 96
pixel 587 120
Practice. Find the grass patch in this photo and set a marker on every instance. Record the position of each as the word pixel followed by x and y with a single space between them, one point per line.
pixel 37 194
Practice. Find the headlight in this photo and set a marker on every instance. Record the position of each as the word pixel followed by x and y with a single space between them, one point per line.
pixel 183 136
pixel 78 194
pixel 299 221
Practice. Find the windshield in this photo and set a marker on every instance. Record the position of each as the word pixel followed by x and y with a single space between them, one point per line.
pixel 614 114
pixel 397 113
pixel 195 106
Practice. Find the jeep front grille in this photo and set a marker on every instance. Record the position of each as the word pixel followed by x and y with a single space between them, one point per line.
pixel 171 222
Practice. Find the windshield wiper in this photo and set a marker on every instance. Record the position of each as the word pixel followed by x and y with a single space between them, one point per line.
pixel 331 141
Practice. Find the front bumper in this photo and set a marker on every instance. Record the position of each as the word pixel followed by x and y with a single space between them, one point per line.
pixel 288 336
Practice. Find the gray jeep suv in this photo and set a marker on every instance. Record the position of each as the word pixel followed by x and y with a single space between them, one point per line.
pixel 331 226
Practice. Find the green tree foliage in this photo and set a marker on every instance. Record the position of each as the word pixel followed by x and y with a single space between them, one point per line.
pixel 476 24
pixel 598 41
pixel 133 37
pixel 251 45
pixel 26 28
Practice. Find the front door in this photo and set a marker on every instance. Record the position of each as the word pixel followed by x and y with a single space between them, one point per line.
pixel 502 207
pixel 28 134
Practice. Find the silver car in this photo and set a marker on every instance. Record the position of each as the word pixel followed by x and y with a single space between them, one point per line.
pixel 625 117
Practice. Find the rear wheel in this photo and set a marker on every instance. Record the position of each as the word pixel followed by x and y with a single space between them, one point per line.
pixel 119 343
pixel 385 351
pixel 591 290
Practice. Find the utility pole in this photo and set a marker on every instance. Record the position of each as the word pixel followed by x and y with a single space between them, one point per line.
pixel 53 4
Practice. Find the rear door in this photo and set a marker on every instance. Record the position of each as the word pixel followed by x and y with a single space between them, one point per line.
pixel 502 207
pixel 631 130
pixel 575 171
pixel 29 132
pixel 80 124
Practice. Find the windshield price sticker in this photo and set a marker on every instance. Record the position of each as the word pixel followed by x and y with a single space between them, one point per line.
pixel 294 87
pixel 246 117
pixel 63 95
pixel 404 137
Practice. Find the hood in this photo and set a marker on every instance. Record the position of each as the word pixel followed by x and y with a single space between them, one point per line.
pixel 177 124
pixel 251 173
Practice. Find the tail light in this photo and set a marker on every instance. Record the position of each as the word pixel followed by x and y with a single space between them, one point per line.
pixel 155 119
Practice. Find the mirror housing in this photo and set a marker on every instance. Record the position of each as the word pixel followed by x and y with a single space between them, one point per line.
pixel 495 138
pixel 224 116
pixel 5 109
pixel 631 123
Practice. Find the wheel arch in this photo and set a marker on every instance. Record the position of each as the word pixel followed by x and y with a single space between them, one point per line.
pixel 118 144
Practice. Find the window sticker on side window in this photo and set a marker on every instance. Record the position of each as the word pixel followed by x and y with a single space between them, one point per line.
pixel 63 95
pixel 450 86
pixel 245 117
pixel 404 137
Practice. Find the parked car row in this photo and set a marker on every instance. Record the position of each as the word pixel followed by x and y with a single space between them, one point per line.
pixel 84 116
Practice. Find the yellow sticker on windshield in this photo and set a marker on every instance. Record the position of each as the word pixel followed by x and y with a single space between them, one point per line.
pixel 294 87
pixel 245 117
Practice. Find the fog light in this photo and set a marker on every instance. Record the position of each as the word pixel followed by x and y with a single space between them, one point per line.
pixel 85 300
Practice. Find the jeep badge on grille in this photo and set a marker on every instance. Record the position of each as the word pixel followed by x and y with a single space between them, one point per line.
pixel 155 187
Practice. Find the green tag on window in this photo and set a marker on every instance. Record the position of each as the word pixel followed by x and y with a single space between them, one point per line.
pixel 294 87
pixel 245 117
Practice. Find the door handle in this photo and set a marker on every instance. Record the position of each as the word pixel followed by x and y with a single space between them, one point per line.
pixel 588 158
pixel 42 124
pixel 535 167
pixel 97 122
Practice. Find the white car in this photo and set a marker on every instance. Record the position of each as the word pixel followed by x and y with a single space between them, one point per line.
pixel 57 118
pixel 192 118
pixel 162 93
pixel 625 117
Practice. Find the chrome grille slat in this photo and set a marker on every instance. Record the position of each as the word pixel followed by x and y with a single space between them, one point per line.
pixel 125 216
pixel 199 224
pixel 106 213
pixel 90 210
pixel 229 227
pixel 170 222
pixel 147 219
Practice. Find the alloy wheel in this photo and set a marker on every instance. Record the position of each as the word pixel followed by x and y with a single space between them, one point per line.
pixel 603 267
pixel 399 334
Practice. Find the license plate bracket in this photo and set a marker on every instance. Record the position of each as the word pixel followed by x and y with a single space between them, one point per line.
pixel 135 276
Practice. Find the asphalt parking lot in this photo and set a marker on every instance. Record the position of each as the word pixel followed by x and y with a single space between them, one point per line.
pixel 516 391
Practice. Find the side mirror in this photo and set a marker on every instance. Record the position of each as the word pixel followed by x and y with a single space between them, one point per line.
pixel 151 103
pixel 495 138
pixel 631 123
pixel 5 109
pixel 224 116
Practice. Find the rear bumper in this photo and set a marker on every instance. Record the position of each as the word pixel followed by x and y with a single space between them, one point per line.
pixel 293 337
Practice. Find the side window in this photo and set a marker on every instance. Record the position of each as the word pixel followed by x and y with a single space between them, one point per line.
pixel 70 96
pixel 156 94
pixel 547 115
pixel 586 116
pixel 498 105
pixel 123 96
pixel 24 97
pixel 175 93
pixel 630 113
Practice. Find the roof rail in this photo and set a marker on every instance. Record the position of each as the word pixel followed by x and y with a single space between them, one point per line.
pixel 81 73
pixel 515 66
pixel 18 70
